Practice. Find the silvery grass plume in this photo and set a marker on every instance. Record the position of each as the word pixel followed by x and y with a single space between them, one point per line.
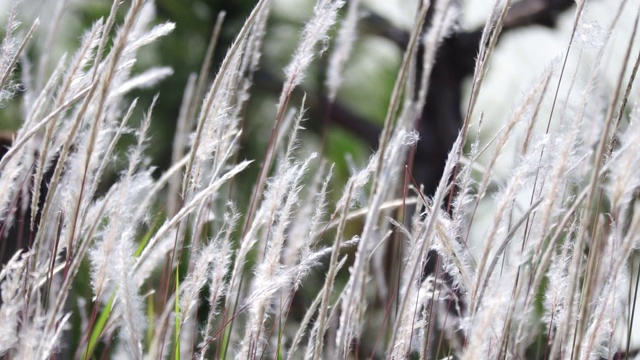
pixel 208 276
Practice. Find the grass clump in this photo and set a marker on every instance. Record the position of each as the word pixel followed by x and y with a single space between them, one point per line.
pixel 177 265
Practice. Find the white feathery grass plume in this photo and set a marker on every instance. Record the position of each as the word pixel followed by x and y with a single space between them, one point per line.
pixel 185 211
pixel 147 79
pixel 295 241
pixel 93 137
pixel 498 229
pixel 308 231
pixel 555 170
pixel 315 340
pixel 13 174
pixel 147 37
pixel 31 336
pixel 628 244
pixel 205 265
pixel 342 51
pixel 94 220
pixel 110 243
pixel 461 220
pixel 119 61
pixel 74 75
pixel 180 139
pixel 219 89
pixel 220 116
pixel 427 293
pixel 497 299
pixel 47 345
pixel 10 50
pixel 355 183
pixel 130 303
pixel 77 75
pixel 353 304
pixel 324 16
pixel 408 115
pixel 22 141
pixel 320 206
pixel 250 62
pixel 37 105
pixel 504 135
pixel 403 334
pixel 269 209
pixel 294 139
pixel 417 254
pixel 213 171
pixel 607 274
pixel 348 327
pixel 296 274
pixel 566 323
pixel 247 243
pixel 266 280
pixel 113 257
pixel 217 284
pixel 305 225
pixel 490 34
pixel 117 134
pixel 13 300
pixel 607 289
pixel 558 279
pixel 108 26
pixel 218 131
pixel 132 306
pixel 491 328
pixel 623 179
pixel 304 231
pixel 456 257
pixel 303 328
pixel 610 289
pixel 443 20
pixel 46 43
pixel 160 345
pixel 327 289
pixel 9 53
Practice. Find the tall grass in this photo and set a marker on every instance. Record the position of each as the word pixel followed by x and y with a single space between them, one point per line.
pixel 116 273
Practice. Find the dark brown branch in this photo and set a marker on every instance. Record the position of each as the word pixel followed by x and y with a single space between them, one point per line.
pixel 535 12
